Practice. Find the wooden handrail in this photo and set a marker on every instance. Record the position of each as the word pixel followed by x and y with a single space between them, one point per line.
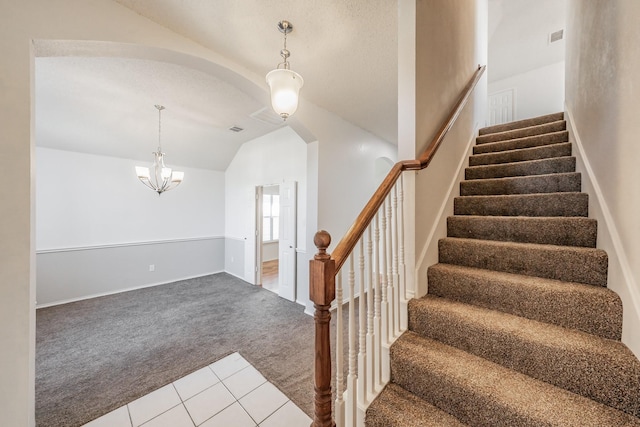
pixel 323 268
pixel 348 242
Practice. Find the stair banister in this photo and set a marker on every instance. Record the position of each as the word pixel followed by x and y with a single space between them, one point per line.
pixel 324 268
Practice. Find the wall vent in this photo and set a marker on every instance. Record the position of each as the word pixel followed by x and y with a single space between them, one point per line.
pixel 268 116
pixel 236 129
pixel 556 36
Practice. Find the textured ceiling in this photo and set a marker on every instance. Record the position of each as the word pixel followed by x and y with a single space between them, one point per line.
pixel 346 50
pixel 105 106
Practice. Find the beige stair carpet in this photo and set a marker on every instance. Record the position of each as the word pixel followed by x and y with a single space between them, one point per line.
pixel 518 327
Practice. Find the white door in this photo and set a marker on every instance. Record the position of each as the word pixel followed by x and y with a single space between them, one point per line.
pixel 287 244
pixel 501 107
pixel 258 236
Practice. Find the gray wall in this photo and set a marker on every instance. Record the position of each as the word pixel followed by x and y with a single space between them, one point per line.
pixel 65 275
pixel 234 256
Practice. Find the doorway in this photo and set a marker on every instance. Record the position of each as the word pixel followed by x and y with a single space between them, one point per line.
pixel 269 241
pixel 276 223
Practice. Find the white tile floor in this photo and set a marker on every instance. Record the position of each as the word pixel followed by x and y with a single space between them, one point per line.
pixel 227 393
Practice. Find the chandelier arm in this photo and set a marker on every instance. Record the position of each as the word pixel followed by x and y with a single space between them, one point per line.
pixel 147 182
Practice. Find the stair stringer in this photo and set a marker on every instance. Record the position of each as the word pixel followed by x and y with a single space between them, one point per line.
pixel 621 279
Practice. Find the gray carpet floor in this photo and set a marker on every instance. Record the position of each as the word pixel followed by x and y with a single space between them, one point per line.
pixel 96 355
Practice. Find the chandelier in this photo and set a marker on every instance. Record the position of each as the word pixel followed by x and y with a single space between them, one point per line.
pixel 159 178
pixel 284 83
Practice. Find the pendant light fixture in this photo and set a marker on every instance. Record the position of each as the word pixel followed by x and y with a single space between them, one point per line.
pixel 284 83
pixel 160 178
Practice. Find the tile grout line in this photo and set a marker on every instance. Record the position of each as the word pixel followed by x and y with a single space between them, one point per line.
pixel 271 414
pixel 182 402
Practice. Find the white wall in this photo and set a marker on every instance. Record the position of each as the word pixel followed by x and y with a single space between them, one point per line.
pixel 89 200
pixel 271 159
pixel 602 101
pixel 270 251
pixel 450 41
pixel 98 229
pixel 537 92
pixel 347 176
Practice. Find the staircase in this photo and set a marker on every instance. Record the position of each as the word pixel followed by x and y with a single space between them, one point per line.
pixel 518 327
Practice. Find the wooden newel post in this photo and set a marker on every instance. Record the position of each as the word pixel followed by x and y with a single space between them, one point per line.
pixel 322 291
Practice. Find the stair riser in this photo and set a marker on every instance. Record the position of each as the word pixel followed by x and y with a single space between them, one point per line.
pixel 522 123
pixel 395 406
pixel 579 368
pixel 556 183
pixel 525 154
pixel 535 167
pixel 538 205
pixel 581 265
pixel 520 143
pixel 589 309
pixel 544 230
pixel 558 126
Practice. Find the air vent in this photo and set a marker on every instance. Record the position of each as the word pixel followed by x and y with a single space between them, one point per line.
pixel 556 36
pixel 236 129
pixel 268 116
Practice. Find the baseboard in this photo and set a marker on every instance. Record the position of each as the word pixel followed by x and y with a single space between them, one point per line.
pixel 620 278
pixel 438 230
pixel 103 294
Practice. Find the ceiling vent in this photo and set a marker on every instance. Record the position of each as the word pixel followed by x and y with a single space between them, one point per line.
pixel 236 129
pixel 268 116
pixel 556 36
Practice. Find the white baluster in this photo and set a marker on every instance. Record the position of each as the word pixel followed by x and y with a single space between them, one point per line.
pixel 377 316
pixel 371 389
pixel 362 341
pixel 352 376
pixel 389 270
pixel 340 416
pixel 384 304
pixel 404 321
pixel 396 282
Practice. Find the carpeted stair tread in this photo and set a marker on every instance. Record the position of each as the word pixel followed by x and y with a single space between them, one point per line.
pixel 397 407
pixel 560 230
pixel 549 204
pixel 602 370
pixel 551 183
pixel 518 328
pixel 541 129
pixel 591 309
pixel 482 393
pixel 524 142
pixel 534 121
pixel 567 263
pixel 562 164
pixel 561 149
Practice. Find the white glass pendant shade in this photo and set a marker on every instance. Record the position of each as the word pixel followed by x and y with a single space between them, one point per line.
pixel 142 172
pixel 285 86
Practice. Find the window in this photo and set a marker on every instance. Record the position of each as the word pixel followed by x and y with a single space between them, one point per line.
pixel 270 217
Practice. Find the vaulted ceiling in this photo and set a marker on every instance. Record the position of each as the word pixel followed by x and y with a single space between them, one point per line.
pixel 346 50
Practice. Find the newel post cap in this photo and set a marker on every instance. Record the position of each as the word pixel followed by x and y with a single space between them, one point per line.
pixel 322 240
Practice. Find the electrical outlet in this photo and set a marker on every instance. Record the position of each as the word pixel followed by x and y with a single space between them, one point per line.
pixel 152 267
